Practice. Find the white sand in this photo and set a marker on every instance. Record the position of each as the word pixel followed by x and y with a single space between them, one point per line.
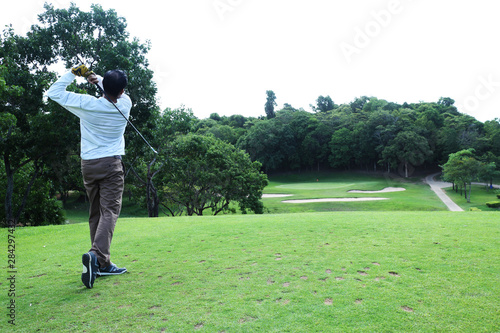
pixel 276 195
pixel 334 200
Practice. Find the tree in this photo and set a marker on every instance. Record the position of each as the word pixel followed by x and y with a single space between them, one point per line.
pixel 492 129
pixel 169 124
pixel 343 148
pixel 270 143
pixel 358 104
pixel 488 171
pixel 462 168
pixel 446 101
pixel 203 172
pixel 29 128
pixel 100 40
pixel 315 146
pixel 270 104
pixel 324 104
pixel 409 148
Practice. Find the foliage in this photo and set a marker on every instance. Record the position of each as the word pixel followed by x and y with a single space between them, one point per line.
pixel 100 39
pixel 145 167
pixel 462 168
pixel 203 172
pixel 270 104
pixel 40 207
pixel 324 104
pixel 493 204
pixel 32 136
pixel 44 134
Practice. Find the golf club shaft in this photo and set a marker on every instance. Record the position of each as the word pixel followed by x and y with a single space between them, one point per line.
pixel 128 121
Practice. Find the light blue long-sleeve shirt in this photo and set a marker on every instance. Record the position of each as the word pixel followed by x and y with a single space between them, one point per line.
pixel 101 125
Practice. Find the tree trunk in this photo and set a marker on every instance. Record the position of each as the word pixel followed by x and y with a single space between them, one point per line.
pixel 28 190
pixel 152 195
pixel 9 215
pixel 152 198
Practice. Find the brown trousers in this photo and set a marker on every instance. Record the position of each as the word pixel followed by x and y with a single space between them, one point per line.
pixel 104 180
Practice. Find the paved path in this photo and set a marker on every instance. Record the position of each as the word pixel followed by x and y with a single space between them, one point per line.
pixel 437 187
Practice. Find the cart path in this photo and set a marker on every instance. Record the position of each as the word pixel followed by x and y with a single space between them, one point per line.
pixel 437 186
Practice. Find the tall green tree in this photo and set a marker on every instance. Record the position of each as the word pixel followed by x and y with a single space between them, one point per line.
pixel 462 168
pixel 144 176
pixel 204 173
pixel 99 38
pixel 407 148
pixel 324 104
pixel 30 137
pixel 270 104
pixel 343 148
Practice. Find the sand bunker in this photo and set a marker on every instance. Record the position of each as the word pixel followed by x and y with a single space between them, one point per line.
pixel 385 190
pixel 276 195
pixel 333 200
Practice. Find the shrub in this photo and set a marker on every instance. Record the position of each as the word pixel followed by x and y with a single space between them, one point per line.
pixel 493 204
pixel 474 209
pixel 41 208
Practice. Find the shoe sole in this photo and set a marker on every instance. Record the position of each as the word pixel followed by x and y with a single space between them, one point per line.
pixel 105 274
pixel 88 277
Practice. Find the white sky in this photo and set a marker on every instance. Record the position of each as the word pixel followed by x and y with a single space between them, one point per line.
pixel 222 55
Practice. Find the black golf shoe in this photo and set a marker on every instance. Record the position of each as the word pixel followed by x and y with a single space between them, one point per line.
pixel 90 268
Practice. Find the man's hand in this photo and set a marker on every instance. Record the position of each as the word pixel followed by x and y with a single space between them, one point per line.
pixel 81 70
pixel 92 78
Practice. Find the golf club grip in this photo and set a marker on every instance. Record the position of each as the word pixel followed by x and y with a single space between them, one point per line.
pixel 128 121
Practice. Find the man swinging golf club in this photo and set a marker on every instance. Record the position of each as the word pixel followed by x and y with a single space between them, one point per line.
pixel 102 144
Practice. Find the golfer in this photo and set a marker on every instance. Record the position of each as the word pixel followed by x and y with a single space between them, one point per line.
pixel 102 145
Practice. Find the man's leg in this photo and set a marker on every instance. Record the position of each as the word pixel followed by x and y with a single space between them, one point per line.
pixel 110 198
pixel 95 208
pixel 91 179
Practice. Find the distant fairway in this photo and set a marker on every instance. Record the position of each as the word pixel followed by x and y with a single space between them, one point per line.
pixel 324 192
pixel 320 185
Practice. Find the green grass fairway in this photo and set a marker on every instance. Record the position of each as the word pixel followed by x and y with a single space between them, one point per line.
pixel 329 185
pixel 417 197
pixel 308 272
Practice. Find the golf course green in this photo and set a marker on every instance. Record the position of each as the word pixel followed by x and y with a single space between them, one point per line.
pixel 410 266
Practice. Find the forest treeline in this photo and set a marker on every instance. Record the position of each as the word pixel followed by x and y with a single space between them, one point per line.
pixel 368 134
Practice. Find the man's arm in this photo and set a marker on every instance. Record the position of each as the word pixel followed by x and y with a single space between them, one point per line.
pixel 70 100
pixel 57 91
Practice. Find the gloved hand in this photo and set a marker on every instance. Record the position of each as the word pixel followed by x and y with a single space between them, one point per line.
pixel 81 70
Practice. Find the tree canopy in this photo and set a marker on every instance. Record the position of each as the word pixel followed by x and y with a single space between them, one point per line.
pixel 203 172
